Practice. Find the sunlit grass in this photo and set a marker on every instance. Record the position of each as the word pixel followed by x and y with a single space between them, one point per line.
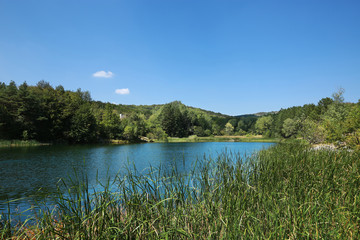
pixel 20 143
pixel 286 192
pixel 251 138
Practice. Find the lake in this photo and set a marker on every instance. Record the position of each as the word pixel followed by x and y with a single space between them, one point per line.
pixel 34 171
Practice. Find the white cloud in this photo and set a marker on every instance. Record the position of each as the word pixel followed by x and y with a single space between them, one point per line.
pixel 103 74
pixel 122 91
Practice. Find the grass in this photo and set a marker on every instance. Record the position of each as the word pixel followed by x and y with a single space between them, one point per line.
pixel 20 143
pixel 286 192
pixel 250 138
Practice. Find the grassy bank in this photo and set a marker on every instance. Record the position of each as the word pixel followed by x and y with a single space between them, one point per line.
pixel 251 138
pixel 21 143
pixel 286 192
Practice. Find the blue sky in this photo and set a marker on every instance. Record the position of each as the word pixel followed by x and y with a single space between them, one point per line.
pixel 233 57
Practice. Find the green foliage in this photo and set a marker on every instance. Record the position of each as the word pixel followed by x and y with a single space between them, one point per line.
pixel 110 123
pixel 352 125
pixel 263 124
pixel 83 126
pixel 290 127
pixel 286 192
pixel 338 95
pixel 332 120
pixel 135 127
pixel 313 132
pixel 323 104
pixel 240 125
pixel 176 123
pixel 129 133
pixel 199 131
pixel 45 114
pixel 48 114
pixel 229 129
pixel 157 133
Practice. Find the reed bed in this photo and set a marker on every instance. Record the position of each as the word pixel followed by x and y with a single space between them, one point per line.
pixel 286 192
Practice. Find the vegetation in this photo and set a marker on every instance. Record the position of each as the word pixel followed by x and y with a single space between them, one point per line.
pixel 286 192
pixel 225 138
pixel 330 121
pixel 48 114
pixel 22 143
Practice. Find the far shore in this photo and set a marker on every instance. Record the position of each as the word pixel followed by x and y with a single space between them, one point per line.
pixel 252 138
pixel 21 143
pixel 193 138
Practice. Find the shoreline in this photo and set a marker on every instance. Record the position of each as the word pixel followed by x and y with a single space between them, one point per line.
pixel 193 138
pixel 21 143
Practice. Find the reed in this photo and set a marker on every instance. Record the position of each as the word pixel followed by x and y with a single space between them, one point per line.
pixel 285 192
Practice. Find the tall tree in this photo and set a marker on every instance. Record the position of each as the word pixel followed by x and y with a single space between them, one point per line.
pixel 263 124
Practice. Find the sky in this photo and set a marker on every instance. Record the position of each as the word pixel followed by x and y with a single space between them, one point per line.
pixel 233 57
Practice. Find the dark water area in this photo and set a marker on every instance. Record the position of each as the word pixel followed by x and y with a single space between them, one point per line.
pixel 29 173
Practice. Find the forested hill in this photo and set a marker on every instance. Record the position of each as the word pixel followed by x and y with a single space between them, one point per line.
pixel 49 114
pixel 148 110
pixel 332 120
pixel 259 114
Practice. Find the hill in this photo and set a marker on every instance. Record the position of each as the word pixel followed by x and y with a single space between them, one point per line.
pixel 49 114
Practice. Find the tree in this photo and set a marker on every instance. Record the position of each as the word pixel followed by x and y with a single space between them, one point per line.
pixel 289 127
pixel 240 126
pixel 335 116
pixel 83 126
pixel 234 122
pixel 199 131
pixel 313 132
pixel 215 129
pixel 157 132
pixel 263 124
pixel 43 84
pixel 174 122
pixel 323 104
pixel 10 123
pixel 110 123
pixel 338 96
pixel 352 125
pixel 129 133
pixel 229 129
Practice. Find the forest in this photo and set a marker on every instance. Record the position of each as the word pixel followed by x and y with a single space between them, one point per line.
pixel 332 120
pixel 56 115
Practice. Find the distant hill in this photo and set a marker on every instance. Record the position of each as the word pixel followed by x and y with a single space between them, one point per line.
pixel 148 110
pixel 259 114
pixel 47 114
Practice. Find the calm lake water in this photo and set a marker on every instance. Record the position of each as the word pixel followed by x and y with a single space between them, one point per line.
pixel 32 171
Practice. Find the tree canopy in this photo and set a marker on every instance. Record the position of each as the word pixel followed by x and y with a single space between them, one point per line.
pixel 49 114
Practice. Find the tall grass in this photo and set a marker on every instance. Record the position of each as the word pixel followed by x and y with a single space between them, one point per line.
pixel 235 138
pixel 20 143
pixel 286 192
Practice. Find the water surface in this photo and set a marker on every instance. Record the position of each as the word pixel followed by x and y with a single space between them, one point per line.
pixel 33 171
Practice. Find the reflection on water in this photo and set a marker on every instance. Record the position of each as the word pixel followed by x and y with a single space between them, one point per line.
pixel 35 171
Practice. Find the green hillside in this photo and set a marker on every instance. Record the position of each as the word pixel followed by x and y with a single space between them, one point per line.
pixel 49 114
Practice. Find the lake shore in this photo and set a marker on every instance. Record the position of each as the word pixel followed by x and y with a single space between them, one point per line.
pixel 21 143
pixel 252 138
pixel 281 186
pixel 192 138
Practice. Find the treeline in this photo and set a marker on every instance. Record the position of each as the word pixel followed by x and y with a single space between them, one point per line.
pixel 49 114
pixel 332 120
pixel 45 114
